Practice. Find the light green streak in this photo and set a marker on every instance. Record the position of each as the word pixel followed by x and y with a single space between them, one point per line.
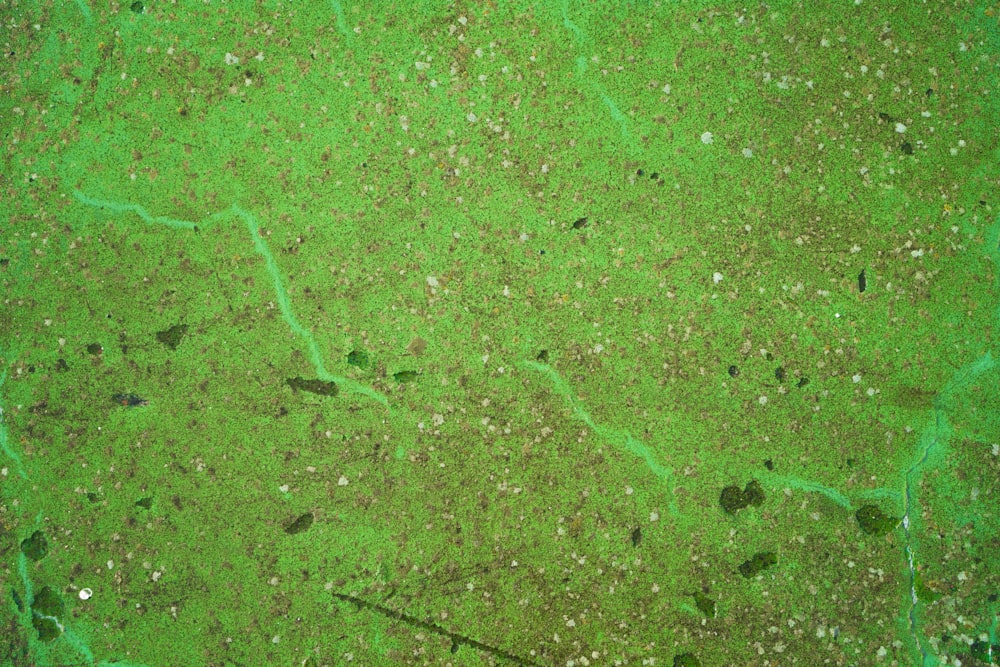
pixel 272 268
pixel 621 439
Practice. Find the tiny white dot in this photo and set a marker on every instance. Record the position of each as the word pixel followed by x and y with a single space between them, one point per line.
pixel 86 594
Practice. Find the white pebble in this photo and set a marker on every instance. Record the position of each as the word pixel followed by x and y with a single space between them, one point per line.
pixel 706 138
pixel 717 277
pixel 86 594
pixel 856 378
pixel 900 128
pixel 342 481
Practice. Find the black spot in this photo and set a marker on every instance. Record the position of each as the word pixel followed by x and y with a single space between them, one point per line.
pixel 769 464
pixel 95 349
pixel 779 373
pixel 145 503
pixel 61 365
pixel 907 148
pixel 930 91
pixel 543 356
pixel 654 176
pixel 769 356
pixel 17 601
pixel 405 376
pixel 137 7
pixel 733 371
pixel 639 172
pixel 862 281
pixel 636 536
pixel 803 381
pixel 580 223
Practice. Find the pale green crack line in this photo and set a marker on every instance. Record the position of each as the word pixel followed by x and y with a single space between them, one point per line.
pixel 272 268
pixel 4 436
pixel 936 433
pixel 622 439
pixel 581 70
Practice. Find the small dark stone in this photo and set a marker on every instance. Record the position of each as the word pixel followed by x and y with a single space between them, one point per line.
pixel 760 562
pixel 543 356
pixel 874 521
pixel 636 537
pixel 769 356
pixel 61 365
pixel 753 494
pixel 580 223
pixel 769 464
pixel 705 604
pixel 358 358
pixel 639 172
pixel 173 336
pixel 145 503
pixel 405 376
pixel 732 499
pixel 862 281
pixel 686 660
pixel 300 525
pixel 907 148
pixel 779 373
pixel 733 371
pixel 95 349
pixel 35 547
pixel 137 7
pixel 313 386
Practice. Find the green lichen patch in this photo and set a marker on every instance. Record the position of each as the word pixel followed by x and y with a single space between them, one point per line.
pixel 359 359
pixel 705 604
pixel 319 387
pixel 733 499
pixel 300 525
pixel 874 521
pixel 46 610
pixel 173 336
pixel 760 562
pixel 686 660
pixel 35 547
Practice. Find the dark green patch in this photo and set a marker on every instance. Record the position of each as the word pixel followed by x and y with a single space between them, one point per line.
pixel 173 336
pixel 61 365
pixel 358 358
pixel 779 374
pixel 686 660
pixel 18 602
pixel 543 356
pixel 705 604
pixel 580 223
pixel 907 148
pixel 137 7
pixel 313 386
pixel 405 376
pixel 924 593
pixel 980 650
pixel 300 525
pixel 760 562
pixel 92 497
pixel 46 608
pixel 145 503
pixel 35 547
pixel 637 537
pixel 874 521
pixel 733 499
pixel 95 349
pixel 803 381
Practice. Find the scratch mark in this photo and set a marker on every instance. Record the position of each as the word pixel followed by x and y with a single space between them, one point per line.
pixel 456 639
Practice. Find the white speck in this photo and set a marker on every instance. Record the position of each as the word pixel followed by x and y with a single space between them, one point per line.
pixel 762 400
pixel 962 576
pixel 111 564
pixel 856 378
pixel 259 56
pixel 917 253
pixel 471 118
pixel 571 623
pixel 717 277
pixel 995 449
pixel 881 652
pixel 283 488
pixel 513 563
pixel 747 153
pixel 524 237
pixel 962 46
pixel 653 516
pixel 629 490
pixel 86 594
pixel 655 588
pixel 871 391
pixel 470 586
pixel 900 128
pixel 598 348
pixel 231 59
pixel 666 89
pixel 706 138
pixel 342 481
pixel 275 639
pixel 432 281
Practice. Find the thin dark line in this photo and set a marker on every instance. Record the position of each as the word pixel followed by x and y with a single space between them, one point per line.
pixel 457 639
